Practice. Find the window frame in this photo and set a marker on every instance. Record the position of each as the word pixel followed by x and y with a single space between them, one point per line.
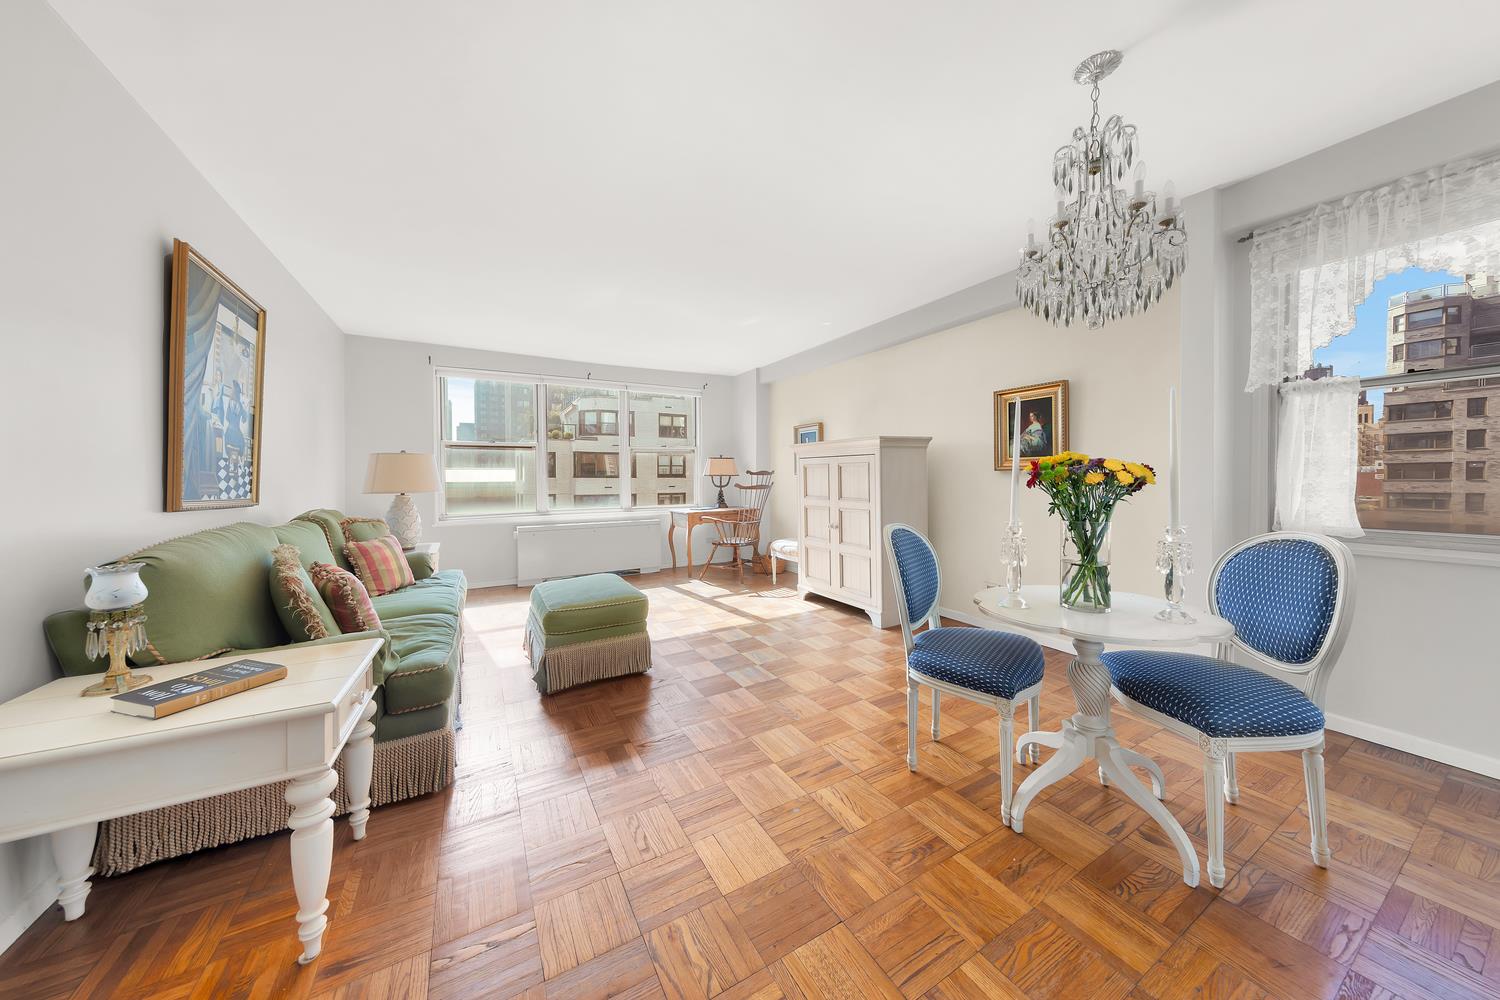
pixel 545 506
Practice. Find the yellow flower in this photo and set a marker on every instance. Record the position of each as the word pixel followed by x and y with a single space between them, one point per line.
pixel 1113 464
pixel 1124 478
pixel 1137 470
pixel 1094 478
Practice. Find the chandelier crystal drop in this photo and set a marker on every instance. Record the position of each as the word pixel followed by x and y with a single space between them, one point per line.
pixel 1110 251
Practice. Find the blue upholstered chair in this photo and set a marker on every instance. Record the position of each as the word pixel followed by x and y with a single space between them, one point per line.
pixel 994 668
pixel 1289 595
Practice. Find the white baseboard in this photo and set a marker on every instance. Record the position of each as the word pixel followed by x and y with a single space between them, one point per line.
pixel 26 909
pixel 1469 760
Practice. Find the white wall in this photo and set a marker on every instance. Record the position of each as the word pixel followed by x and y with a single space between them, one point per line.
pixel 942 386
pixel 94 193
pixel 391 388
pixel 1419 671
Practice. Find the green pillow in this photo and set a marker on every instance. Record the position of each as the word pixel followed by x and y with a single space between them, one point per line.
pixel 364 529
pixel 299 605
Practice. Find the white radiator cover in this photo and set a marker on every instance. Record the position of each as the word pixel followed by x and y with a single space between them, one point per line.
pixel 571 548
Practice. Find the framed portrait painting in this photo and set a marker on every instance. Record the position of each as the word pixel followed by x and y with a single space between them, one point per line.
pixel 1043 412
pixel 808 433
pixel 216 358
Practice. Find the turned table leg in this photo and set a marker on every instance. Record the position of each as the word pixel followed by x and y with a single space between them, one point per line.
pixel 72 849
pixel 672 539
pixel 359 769
pixel 312 855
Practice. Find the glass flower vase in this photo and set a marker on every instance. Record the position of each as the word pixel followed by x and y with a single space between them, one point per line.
pixel 1085 566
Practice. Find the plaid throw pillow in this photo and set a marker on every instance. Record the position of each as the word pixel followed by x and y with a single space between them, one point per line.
pixel 346 597
pixel 380 563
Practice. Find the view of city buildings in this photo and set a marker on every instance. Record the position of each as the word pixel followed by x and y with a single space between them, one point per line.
pixel 491 462
pixel 1425 452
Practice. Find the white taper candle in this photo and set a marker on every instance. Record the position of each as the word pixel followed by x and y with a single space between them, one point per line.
pixel 1015 466
pixel 1174 483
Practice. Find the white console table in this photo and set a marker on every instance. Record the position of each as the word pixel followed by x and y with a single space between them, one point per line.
pixel 67 762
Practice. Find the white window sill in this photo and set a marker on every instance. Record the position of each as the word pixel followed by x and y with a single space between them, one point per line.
pixel 1427 546
pixel 573 514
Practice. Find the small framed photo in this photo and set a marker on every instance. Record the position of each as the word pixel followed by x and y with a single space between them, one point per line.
pixel 809 433
pixel 1043 412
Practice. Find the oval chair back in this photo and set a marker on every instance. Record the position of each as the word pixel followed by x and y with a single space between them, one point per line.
pixel 919 582
pixel 1290 597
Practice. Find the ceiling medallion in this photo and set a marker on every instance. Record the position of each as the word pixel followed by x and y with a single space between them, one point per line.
pixel 1108 252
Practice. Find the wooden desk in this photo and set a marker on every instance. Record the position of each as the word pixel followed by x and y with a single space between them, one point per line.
pixel 68 762
pixel 692 517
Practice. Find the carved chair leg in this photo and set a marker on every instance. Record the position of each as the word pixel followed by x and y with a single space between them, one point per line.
pixel 1213 800
pixel 1231 781
pixel 1317 804
pixel 1007 753
pixel 935 712
pixel 913 696
pixel 1034 721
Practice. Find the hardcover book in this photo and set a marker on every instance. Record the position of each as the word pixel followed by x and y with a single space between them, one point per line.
pixel 156 701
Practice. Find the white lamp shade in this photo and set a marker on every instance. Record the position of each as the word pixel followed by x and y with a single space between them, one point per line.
pixel 721 466
pixel 401 472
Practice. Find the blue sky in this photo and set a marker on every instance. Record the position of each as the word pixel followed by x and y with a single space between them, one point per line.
pixel 1363 350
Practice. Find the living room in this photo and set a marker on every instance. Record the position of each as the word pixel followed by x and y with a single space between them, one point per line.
pixel 651 452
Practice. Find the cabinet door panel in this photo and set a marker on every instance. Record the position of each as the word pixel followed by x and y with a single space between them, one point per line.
pixel 817 566
pixel 817 522
pixel 856 575
pixel 855 480
pixel 855 528
pixel 816 476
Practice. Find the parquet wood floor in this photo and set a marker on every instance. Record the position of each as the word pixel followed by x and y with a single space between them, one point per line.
pixel 740 823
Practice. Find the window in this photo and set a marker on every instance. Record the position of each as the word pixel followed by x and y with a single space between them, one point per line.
pixel 596 465
pixel 487 440
pixel 1398 353
pixel 1484 345
pixel 1474 503
pixel 1424 318
pixel 494 430
pixel 1417 501
pixel 1474 471
pixel 1406 471
pixel 1419 442
pixel 1423 350
pixel 663 447
pixel 1474 439
pixel 1420 411
pixel 1476 407
pixel 598 423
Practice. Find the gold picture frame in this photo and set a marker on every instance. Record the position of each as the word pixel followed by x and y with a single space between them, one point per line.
pixel 1047 430
pixel 216 362
pixel 808 433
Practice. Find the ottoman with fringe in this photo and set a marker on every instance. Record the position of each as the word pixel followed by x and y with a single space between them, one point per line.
pixel 581 662
pixel 404 768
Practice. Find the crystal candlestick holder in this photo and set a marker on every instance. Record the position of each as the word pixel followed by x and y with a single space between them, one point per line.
pixel 1013 555
pixel 1174 561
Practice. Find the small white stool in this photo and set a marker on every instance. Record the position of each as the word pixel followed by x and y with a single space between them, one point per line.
pixel 783 549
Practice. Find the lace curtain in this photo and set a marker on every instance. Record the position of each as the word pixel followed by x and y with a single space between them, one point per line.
pixel 1317 455
pixel 1308 273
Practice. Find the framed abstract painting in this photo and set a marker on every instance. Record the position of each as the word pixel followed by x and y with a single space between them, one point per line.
pixel 1044 421
pixel 216 358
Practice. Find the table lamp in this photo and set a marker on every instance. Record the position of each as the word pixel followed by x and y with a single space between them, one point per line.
pixel 402 473
pixel 721 467
pixel 117 624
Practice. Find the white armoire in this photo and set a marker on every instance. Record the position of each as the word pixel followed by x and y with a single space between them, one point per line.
pixel 847 492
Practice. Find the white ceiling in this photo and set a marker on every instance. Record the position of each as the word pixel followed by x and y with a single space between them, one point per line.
pixel 710 185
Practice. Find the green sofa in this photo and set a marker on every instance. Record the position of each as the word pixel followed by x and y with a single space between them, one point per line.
pixel 209 595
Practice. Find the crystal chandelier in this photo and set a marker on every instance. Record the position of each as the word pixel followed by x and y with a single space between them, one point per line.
pixel 1108 252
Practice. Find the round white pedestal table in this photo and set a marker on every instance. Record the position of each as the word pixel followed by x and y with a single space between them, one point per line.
pixel 1088 733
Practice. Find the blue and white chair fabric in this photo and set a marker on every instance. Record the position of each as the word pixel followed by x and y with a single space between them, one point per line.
pixel 990 667
pixel 1289 595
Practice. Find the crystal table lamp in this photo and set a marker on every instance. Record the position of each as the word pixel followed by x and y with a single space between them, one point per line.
pixel 117 624
pixel 721 467
pixel 402 473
